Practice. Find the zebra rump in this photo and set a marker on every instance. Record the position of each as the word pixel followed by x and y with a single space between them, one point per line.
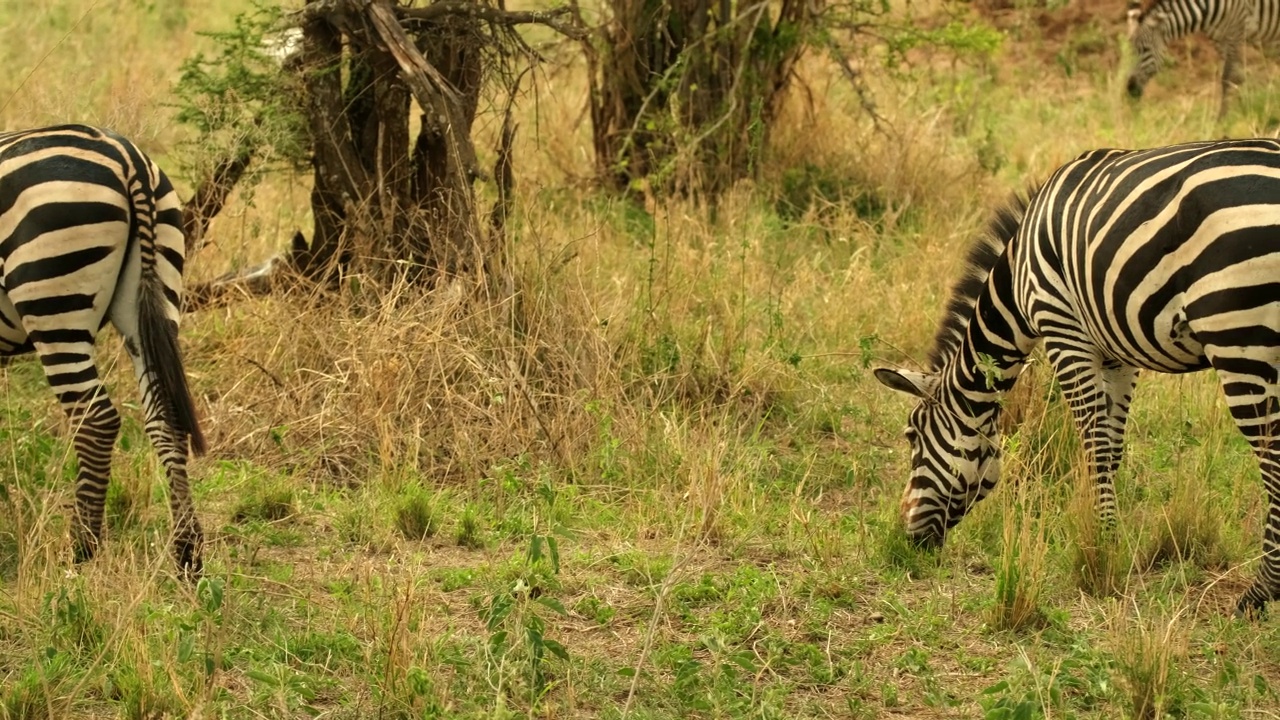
pixel 91 233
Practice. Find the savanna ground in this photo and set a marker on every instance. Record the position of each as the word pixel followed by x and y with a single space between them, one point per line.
pixel 661 482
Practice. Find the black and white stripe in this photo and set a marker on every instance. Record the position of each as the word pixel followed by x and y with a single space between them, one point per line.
pixel 1228 23
pixel 91 232
pixel 1165 259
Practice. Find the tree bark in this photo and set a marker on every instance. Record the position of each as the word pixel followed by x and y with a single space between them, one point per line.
pixel 683 92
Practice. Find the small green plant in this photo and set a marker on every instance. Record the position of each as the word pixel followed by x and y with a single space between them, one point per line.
pixel 990 369
pixel 595 609
pixel 416 516
pixel 470 532
pixel 515 616
pixel 71 616
pixel 284 690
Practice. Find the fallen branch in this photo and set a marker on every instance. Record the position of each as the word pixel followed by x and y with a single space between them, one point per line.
pixel 274 274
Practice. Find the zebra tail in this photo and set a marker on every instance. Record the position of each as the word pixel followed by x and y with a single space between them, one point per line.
pixel 160 351
pixel 157 332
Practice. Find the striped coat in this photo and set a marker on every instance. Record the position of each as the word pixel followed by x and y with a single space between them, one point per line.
pixel 1228 23
pixel 91 233
pixel 1165 260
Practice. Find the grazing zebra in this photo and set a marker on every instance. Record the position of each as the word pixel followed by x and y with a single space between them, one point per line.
pixel 1228 23
pixel 91 231
pixel 1165 259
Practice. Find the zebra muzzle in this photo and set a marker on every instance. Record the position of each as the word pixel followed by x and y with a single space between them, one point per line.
pixel 1134 87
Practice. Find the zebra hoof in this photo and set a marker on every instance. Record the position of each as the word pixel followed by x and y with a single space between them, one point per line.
pixel 84 549
pixel 190 563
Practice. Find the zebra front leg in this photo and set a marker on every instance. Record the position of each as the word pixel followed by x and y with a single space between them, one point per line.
pixel 1118 383
pixel 1099 394
pixel 1231 76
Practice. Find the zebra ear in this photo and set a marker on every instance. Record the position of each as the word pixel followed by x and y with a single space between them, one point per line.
pixel 906 381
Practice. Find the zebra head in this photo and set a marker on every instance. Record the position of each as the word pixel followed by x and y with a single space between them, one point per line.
pixel 954 463
pixel 1148 33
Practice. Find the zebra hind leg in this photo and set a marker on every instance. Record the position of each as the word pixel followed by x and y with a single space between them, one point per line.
pixel 1250 387
pixel 172 447
pixel 95 425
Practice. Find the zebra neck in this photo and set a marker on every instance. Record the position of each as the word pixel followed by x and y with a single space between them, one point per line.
pixel 976 380
pixel 995 346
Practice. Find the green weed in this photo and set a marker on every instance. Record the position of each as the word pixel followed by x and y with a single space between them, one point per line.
pixel 470 532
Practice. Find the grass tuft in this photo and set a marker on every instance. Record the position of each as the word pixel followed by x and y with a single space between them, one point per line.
pixel 1100 564
pixel 1020 574
pixel 270 503
pixel 416 516
pixel 1146 652
pixel 470 533
pixel 1188 528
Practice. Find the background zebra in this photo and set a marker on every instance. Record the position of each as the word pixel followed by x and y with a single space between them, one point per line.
pixel 1165 259
pixel 1228 23
pixel 90 231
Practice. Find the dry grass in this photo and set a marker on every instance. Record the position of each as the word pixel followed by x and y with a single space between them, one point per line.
pixel 1148 651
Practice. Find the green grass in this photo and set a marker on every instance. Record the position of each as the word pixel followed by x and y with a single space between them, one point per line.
pixel 672 492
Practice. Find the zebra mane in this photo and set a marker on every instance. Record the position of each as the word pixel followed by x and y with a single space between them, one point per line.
pixel 981 258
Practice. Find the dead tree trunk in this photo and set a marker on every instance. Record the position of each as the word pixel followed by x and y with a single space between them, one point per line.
pixel 683 92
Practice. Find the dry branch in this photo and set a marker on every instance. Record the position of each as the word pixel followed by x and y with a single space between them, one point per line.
pixel 553 18
pixel 209 198
pixel 433 92
pixel 258 280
